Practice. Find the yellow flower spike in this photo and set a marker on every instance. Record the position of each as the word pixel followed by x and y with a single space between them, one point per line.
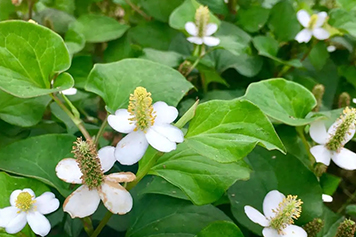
pixel 24 202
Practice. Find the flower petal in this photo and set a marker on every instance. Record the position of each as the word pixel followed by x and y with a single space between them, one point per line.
pixel 159 141
pixel 107 157
pixel 171 132
pixel 82 202
pixel 38 223
pixel 68 171
pixel 115 198
pixel 303 36
pixel 271 202
pixel 211 28
pixel 326 198
pixel 211 41
pixel 16 224
pixel 321 19
pixel 13 197
pixel 164 112
pixel 345 159
pixel 70 91
pixel 294 231
pixel 7 214
pixel 121 177
pixel 321 34
pixel 303 18
pixel 256 216
pixel 331 48
pixel 195 40
pixel 47 203
pixel 120 121
pixel 321 154
pixel 269 232
pixel 191 28
pixel 318 132
pixel 131 148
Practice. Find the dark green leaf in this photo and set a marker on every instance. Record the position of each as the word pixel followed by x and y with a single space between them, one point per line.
pixel 221 228
pixel 253 18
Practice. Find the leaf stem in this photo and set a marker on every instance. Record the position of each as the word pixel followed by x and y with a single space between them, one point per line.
pixel 101 131
pixel 300 131
pixel 88 225
pixel 138 10
pixel 102 224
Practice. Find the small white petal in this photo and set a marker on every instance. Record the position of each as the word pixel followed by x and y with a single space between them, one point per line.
pixel 321 34
pixel 171 132
pixel 13 197
pixel 16 224
pixel 121 177
pixel 71 91
pixel 318 132
pixel 345 159
pixel 304 36
pixel 38 223
pixel 321 154
pixel 271 202
pixel 159 141
pixel 120 121
pixel 321 19
pixel 269 232
pixel 294 231
pixel 327 198
pixel 211 41
pixel 191 28
pixel 46 203
pixel 195 40
pixel 211 28
pixel 354 100
pixel 131 148
pixel 303 18
pixel 331 48
pixel 69 171
pixel 107 157
pixel 82 202
pixel 7 214
pixel 115 198
pixel 164 112
pixel 256 216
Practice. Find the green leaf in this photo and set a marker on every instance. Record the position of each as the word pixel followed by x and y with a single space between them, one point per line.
pixel 106 28
pixel 80 69
pixel 282 100
pixel 274 171
pixel 329 183
pixel 221 228
pixel 318 55
pixel 22 112
pixel 160 9
pixel 57 20
pixel 120 49
pixel 75 41
pixel 347 4
pixel 343 20
pixel 157 215
pixel 349 72
pixel 169 58
pixel 216 6
pixel 283 21
pixel 209 75
pixel 30 56
pixel 253 19
pixel 226 131
pixel 63 5
pixel 37 157
pixel 6 9
pixel 351 210
pixel 202 179
pixel 185 13
pixel 114 82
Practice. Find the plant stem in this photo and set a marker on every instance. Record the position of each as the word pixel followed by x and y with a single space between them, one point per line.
pixel 88 225
pixel 30 9
pixel 351 198
pixel 102 224
pixel 300 131
pixel 197 61
pixel 138 10
pixel 101 131
pixel 76 121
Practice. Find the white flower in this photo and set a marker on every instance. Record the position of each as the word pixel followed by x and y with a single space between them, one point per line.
pixel 206 38
pixel 354 100
pixel 84 201
pixel 343 157
pixel 226 1
pixel 331 48
pixel 275 204
pixel 70 91
pixel 145 124
pixel 327 198
pixel 26 208
pixel 313 26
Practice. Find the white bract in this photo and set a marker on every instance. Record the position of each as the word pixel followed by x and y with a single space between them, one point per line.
pixel 145 124
pixel 26 208
pixel 341 156
pixel 313 26
pixel 84 201
pixel 331 48
pixel 327 198
pixel 279 212
pixel 70 91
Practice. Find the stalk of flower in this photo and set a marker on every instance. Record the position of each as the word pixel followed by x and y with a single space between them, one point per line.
pixel 279 215
pixel 145 124
pixel 88 169
pixel 26 208
pixel 201 30
pixel 332 141
pixel 313 26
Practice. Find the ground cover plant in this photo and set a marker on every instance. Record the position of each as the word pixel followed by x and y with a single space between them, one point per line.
pixel 165 118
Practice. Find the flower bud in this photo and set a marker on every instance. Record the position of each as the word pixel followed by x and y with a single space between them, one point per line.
pixel 314 227
pixel 346 229
pixel 344 100
pixel 318 91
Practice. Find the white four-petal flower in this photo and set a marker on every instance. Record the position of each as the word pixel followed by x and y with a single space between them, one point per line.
pixel 270 205
pixel 161 135
pixel 83 201
pixel 206 39
pixel 344 158
pixel 313 26
pixel 26 208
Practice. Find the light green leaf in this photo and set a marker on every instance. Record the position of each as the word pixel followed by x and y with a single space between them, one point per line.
pixel 282 100
pixel 114 82
pixel 253 19
pixel 221 228
pixel 22 112
pixel 75 41
pixel 169 58
pixel 30 56
pixel 347 4
pixel 106 28
pixel 37 157
pixel 56 19
pixel 343 20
